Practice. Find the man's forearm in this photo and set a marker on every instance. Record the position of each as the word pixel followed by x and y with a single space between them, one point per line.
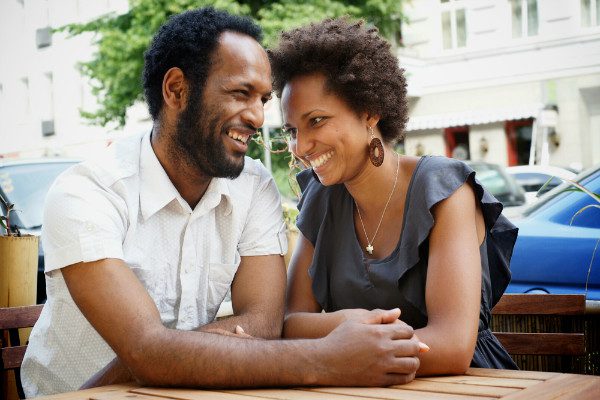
pixel 257 325
pixel 355 354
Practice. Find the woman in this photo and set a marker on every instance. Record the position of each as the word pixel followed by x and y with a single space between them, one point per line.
pixel 380 230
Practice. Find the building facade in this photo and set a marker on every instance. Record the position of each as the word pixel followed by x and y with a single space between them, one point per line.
pixel 41 88
pixel 504 81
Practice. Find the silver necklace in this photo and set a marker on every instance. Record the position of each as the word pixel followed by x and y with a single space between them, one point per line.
pixel 369 246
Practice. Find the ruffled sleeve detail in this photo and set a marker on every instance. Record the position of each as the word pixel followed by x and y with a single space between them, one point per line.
pixel 436 179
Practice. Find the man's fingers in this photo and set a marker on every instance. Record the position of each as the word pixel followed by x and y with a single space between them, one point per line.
pixel 404 365
pixel 383 316
pixel 399 379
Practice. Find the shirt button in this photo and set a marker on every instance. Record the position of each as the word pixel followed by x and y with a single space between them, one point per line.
pixel 89 226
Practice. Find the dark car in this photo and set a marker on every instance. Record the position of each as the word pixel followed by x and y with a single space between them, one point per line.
pixel 500 184
pixel 25 183
pixel 558 250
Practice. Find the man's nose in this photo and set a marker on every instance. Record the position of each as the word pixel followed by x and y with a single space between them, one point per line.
pixel 254 114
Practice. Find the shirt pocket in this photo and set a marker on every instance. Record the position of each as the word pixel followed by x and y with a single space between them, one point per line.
pixel 220 277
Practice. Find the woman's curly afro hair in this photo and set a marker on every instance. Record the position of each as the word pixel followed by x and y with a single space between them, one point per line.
pixel 358 66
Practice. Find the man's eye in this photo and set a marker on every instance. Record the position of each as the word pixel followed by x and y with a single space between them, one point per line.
pixel 242 92
pixel 290 132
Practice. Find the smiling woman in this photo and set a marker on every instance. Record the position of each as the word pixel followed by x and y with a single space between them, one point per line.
pixel 380 230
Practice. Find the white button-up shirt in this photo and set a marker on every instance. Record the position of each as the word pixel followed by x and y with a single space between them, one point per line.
pixel 124 206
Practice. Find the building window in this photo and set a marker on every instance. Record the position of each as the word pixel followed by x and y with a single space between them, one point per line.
pixel 454 24
pixel 524 18
pixel 457 142
pixel 518 135
pixel 590 13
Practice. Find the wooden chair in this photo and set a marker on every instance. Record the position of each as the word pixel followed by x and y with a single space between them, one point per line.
pixel 11 350
pixel 547 331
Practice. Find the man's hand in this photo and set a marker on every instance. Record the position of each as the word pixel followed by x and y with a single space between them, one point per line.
pixel 376 352
pixel 238 332
pixel 366 316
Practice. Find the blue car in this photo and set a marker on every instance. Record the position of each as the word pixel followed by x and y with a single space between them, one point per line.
pixel 555 251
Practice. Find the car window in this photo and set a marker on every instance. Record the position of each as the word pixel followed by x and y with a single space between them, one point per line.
pixel 533 182
pixel 26 186
pixel 568 201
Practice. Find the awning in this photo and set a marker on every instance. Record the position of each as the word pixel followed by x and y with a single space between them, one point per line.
pixel 472 117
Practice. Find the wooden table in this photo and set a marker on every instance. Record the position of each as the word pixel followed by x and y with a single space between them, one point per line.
pixel 476 384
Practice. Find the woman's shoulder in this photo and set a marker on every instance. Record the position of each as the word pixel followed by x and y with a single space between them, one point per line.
pixel 436 178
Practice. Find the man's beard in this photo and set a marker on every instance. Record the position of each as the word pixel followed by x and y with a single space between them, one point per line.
pixel 197 141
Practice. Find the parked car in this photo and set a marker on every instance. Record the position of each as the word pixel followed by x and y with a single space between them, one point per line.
pixel 25 183
pixel 558 251
pixel 533 177
pixel 495 180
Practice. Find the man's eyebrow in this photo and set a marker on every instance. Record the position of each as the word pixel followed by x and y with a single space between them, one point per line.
pixel 252 88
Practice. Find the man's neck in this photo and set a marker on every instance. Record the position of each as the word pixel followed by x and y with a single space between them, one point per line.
pixel 190 183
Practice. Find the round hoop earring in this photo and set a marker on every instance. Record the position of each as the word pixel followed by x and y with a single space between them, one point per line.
pixel 375 149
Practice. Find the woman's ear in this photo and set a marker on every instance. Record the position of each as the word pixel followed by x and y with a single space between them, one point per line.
pixel 372 120
pixel 174 89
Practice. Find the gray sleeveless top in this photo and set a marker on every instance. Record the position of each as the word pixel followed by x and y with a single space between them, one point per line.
pixel 342 277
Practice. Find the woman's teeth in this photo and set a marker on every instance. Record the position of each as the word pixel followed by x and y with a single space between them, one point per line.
pixel 239 138
pixel 321 160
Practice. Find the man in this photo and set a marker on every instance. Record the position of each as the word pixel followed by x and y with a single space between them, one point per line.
pixel 142 246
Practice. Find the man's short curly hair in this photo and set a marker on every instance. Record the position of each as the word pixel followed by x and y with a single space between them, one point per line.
pixel 187 41
pixel 358 65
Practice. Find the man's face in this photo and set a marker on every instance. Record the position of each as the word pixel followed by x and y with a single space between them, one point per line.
pixel 213 132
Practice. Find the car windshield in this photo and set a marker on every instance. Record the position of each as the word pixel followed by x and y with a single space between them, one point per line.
pixel 26 186
pixel 492 180
pixel 559 190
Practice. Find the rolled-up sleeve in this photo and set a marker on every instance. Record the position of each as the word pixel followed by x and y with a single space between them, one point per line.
pixel 82 222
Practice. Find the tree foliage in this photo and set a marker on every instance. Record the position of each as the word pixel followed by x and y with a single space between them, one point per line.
pixel 116 68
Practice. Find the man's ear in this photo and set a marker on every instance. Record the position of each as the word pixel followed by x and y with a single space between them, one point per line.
pixel 175 89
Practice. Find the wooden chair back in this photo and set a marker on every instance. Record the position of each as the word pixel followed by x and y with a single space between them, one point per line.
pixel 541 343
pixel 11 350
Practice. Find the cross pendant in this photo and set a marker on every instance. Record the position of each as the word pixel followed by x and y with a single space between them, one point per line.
pixel 369 249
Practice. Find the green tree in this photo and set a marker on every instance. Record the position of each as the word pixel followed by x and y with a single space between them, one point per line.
pixel 116 68
pixel 121 40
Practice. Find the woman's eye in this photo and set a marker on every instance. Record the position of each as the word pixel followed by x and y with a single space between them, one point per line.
pixel 316 120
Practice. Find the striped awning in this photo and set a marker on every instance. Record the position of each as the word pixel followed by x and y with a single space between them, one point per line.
pixel 472 117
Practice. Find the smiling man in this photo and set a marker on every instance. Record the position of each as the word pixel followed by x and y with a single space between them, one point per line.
pixel 143 244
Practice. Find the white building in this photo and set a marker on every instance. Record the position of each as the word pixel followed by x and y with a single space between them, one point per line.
pixel 481 71
pixel 41 88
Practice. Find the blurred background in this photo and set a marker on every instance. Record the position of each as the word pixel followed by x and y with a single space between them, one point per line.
pixel 510 82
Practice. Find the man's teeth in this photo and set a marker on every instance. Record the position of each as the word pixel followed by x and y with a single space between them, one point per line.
pixel 240 138
pixel 321 160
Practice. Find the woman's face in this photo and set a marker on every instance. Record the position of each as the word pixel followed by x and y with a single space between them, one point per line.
pixel 324 132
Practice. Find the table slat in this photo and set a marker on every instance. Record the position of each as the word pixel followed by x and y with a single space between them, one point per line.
pixel 453 388
pixel 87 393
pixel 123 396
pixel 484 381
pixel 563 387
pixel 511 373
pixel 291 394
pixel 396 394
pixel 189 394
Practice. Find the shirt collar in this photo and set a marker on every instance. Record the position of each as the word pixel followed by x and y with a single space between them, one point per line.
pixel 157 190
